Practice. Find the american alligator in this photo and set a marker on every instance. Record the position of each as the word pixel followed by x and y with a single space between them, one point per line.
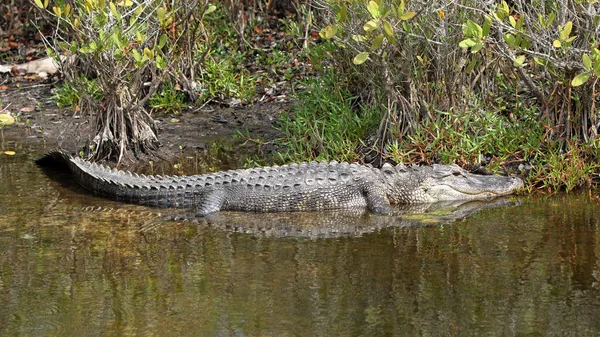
pixel 296 187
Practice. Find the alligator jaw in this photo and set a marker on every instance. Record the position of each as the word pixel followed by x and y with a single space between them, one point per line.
pixel 461 185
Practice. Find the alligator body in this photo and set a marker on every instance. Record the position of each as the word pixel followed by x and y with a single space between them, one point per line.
pixel 295 187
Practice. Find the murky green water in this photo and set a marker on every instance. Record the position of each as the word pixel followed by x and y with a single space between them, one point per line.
pixel 67 270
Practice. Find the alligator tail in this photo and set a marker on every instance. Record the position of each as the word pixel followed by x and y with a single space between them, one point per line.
pixel 119 185
pixel 83 172
pixel 55 160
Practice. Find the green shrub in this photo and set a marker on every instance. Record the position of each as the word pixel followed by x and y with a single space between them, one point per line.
pixel 464 137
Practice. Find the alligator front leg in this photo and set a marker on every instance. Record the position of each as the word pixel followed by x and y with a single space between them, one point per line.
pixel 377 202
pixel 210 202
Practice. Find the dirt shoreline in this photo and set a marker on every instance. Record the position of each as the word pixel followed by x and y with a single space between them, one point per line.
pixel 39 120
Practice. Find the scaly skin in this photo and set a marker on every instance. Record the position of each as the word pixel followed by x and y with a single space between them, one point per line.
pixel 295 187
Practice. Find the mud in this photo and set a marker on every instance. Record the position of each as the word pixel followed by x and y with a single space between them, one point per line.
pixel 196 129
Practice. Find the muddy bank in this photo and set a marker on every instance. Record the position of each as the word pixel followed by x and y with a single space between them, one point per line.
pixel 193 133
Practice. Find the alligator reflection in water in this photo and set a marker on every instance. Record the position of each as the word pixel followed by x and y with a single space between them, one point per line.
pixel 324 224
pixel 341 223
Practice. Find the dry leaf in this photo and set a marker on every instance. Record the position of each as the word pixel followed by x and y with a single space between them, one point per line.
pixel 27 109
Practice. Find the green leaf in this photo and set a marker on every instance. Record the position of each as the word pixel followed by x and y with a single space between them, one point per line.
pixel 587 62
pixel 342 15
pixel 551 19
pixel 210 9
pixel 556 44
pixel 407 16
pixel 57 11
pixel 377 41
pixel 477 47
pixel 540 61
pixel 125 3
pixel 520 22
pixel 541 20
pixel 149 53
pixel 360 58
pixel 136 55
pixel 329 32
pixel 114 11
pixel 39 3
pixel 566 31
pixel 512 21
pixel 51 52
pixel 373 8
pixel 474 30
pixel 467 43
pixel 485 31
pixel 162 41
pixel 371 25
pixel 161 13
pixel 387 29
pixel 6 119
pixel 580 79
pixel 116 39
pixel 161 63
pixel 510 40
pixel 569 40
pixel 359 38
pixel 519 60
pixel 400 8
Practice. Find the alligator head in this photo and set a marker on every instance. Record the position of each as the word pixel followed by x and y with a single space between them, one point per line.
pixel 444 182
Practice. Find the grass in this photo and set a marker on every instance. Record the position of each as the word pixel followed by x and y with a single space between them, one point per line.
pixel 69 93
pixel 222 79
pixel 323 125
pixel 167 99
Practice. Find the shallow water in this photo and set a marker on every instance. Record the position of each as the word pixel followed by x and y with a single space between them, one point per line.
pixel 69 266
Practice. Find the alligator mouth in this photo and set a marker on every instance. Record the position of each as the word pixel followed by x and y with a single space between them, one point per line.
pixel 489 187
pixel 497 186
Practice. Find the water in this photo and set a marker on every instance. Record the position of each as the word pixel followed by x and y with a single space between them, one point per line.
pixel 68 270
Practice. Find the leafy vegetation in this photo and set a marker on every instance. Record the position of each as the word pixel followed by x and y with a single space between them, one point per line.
pixel 517 82
pixel 70 93
pixel 167 99
pixel 510 85
pixel 325 124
